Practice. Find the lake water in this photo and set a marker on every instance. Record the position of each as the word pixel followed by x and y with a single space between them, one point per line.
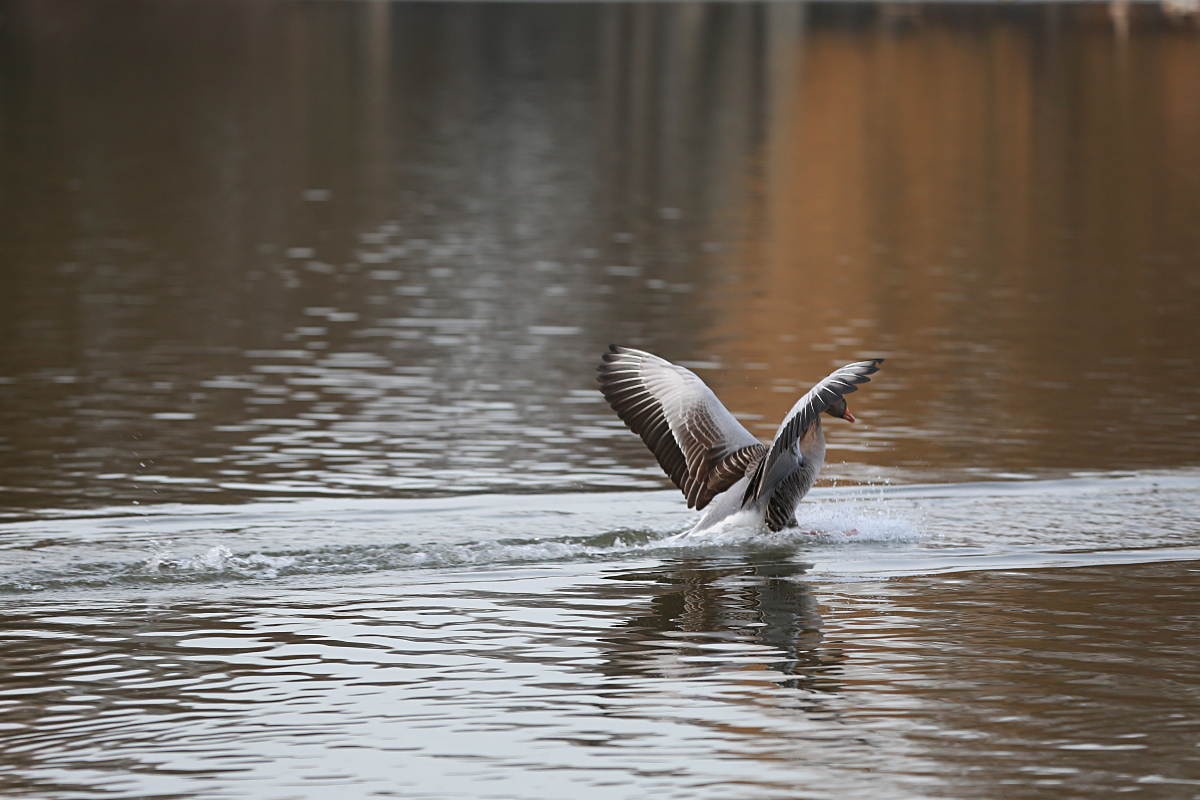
pixel 307 491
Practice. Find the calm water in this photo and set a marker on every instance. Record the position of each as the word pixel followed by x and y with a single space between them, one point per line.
pixel 306 489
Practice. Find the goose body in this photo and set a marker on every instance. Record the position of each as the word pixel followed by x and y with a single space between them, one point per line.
pixel 720 466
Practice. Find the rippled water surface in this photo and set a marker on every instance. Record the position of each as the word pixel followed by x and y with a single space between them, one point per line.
pixel 306 489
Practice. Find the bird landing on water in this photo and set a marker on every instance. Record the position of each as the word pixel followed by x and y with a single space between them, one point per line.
pixel 718 464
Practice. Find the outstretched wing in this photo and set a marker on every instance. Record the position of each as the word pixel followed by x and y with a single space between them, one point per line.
pixel 842 382
pixel 697 442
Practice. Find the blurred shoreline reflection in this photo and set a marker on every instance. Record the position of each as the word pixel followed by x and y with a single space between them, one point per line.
pixel 374 248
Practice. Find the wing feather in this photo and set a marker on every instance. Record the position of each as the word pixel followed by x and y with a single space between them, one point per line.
pixel 841 382
pixel 697 442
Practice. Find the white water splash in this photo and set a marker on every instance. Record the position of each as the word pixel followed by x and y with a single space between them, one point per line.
pixel 827 522
pixel 867 520
pixel 216 560
pixel 822 524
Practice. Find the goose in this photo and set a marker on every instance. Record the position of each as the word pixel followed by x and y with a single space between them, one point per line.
pixel 718 464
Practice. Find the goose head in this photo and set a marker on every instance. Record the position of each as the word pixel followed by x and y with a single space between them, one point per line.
pixel 839 410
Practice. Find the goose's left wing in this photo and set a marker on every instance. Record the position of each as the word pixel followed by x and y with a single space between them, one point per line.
pixel 841 382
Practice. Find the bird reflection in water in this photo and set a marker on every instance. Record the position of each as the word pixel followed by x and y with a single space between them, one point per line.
pixel 708 617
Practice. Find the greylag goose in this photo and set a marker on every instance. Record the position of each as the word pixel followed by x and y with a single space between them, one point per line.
pixel 709 455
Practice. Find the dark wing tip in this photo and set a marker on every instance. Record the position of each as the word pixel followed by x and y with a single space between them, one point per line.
pixel 861 370
pixel 847 379
pixel 614 352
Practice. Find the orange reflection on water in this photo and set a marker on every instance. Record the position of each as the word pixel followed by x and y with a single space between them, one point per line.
pixel 996 202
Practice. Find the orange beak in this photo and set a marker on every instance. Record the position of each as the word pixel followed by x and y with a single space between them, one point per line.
pixel 848 416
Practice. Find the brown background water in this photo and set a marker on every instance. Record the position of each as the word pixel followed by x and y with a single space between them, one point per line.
pixel 308 492
pixel 377 248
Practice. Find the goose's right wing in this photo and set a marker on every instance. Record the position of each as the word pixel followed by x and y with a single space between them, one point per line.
pixel 697 442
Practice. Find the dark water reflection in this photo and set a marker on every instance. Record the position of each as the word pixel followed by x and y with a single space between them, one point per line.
pixel 707 677
pixel 1060 672
pixel 375 248
pixel 761 610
